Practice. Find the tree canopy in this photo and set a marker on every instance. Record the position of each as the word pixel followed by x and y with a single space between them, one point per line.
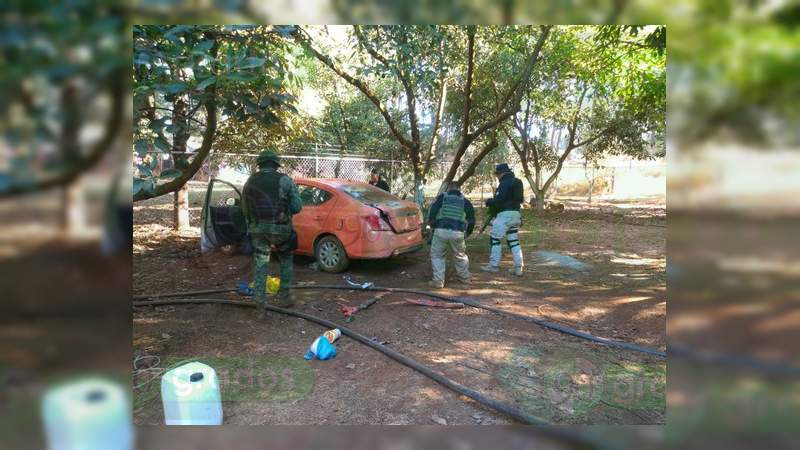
pixel 188 77
pixel 602 90
pixel 439 97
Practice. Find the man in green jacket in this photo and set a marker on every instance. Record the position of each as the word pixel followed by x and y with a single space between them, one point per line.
pixel 269 200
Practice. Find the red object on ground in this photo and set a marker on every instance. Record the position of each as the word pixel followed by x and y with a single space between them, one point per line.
pixel 349 310
pixel 434 303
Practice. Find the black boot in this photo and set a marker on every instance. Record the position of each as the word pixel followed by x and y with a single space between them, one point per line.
pixel 284 300
pixel 261 313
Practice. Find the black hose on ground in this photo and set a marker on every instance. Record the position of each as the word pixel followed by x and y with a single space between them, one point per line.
pixel 183 294
pixel 476 304
pixel 467 301
pixel 574 438
pixel 399 357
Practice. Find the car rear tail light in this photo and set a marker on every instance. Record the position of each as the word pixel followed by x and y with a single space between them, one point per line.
pixel 376 223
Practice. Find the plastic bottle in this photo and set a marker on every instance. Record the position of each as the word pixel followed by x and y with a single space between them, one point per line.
pixel 322 346
pixel 191 396
pixel 332 335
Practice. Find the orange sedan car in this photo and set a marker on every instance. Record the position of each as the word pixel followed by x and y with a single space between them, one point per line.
pixel 340 220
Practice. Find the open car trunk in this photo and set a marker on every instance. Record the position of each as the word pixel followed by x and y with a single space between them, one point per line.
pixel 401 217
pixel 222 220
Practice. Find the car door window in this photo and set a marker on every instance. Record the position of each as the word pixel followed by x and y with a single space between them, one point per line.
pixel 312 196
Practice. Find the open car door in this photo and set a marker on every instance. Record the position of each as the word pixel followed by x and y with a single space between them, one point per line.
pixel 222 220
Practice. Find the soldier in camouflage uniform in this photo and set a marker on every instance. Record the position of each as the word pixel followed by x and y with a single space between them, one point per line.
pixel 269 200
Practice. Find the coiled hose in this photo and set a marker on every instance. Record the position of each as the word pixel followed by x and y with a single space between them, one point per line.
pixel 467 301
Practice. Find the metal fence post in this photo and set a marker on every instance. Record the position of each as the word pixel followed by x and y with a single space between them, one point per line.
pixel 316 160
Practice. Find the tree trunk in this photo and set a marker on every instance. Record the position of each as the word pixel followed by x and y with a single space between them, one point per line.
pixel 537 192
pixel 419 188
pixel 539 199
pixel 181 208
pixel 73 212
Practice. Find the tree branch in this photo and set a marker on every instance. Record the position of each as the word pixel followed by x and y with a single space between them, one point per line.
pixel 97 151
pixel 595 137
pixel 491 145
pixel 572 128
pixel 370 49
pixel 573 125
pixel 190 169
pixel 468 87
pixel 304 39
pixel 514 95
pixel 465 141
pixel 559 165
pixel 209 134
pixel 436 123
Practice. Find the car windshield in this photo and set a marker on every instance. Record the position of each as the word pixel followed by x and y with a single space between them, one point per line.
pixel 367 194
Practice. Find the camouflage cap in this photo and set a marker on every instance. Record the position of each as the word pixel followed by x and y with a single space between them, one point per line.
pixel 267 155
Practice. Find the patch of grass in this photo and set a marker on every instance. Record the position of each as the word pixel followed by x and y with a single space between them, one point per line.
pixel 572 384
pixel 244 379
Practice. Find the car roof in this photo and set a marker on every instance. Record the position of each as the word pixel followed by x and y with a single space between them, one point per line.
pixel 330 182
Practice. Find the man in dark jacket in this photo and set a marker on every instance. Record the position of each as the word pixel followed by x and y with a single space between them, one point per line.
pixel 377 180
pixel 452 219
pixel 269 200
pixel 506 201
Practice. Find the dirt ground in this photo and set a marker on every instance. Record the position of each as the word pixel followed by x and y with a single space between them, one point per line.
pixel 559 378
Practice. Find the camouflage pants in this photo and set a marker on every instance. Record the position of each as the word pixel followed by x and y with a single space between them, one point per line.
pixel 262 244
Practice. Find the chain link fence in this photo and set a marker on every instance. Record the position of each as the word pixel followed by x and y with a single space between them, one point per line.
pixel 624 180
pixel 237 166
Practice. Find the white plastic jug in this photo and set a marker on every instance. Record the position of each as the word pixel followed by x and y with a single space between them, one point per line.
pixel 87 414
pixel 190 394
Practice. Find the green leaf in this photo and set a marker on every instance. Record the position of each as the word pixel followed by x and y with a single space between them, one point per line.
pixel 141 147
pixel 175 88
pixel 285 30
pixel 162 144
pixel 138 184
pixel 203 47
pixel 150 186
pixel 206 83
pixel 239 76
pixel 141 58
pixel 144 170
pixel 170 174
pixel 173 33
pixel 158 124
pixel 251 62
pixel 173 128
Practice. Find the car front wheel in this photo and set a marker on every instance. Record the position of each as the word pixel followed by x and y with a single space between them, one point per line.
pixel 330 255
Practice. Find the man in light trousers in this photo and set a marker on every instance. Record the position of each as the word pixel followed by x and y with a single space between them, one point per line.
pixel 452 219
pixel 506 201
